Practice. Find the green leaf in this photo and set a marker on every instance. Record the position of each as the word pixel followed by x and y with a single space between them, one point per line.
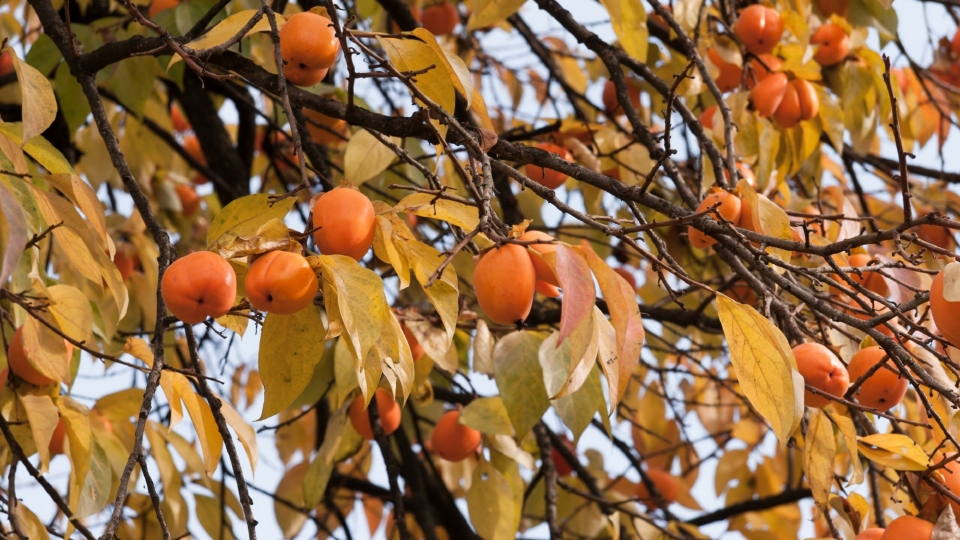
pixel 490 502
pixel 244 216
pixel 339 442
pixel 487 12
pixel 764 364
pixel 487 415
pixel 43 54
pixel 38 104
pixel 899 452
pixel 819 453
pixel 578 409
pixel 225 30
pixel 520 379
pixel 290 347
pixel 132 82
pixel 43 418
pixel 95 493
pixel 365 157
pixel 629 21
pixel 73 104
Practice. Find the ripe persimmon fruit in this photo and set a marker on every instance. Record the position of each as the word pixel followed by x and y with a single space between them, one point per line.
pixel 549 177
pixel 57 438
pixel 199 285
pixel 762 66
pixel 504 280
pixel 949 476
pixel 189 200
pixel 323 129
pixel 179 121
pixel 452 440
pixel 822 370
pixel 730 74
pixel 800 102
pixel 281 282
pixel 346 221
pixel 309 42
pixel 834 44
pixel 872 281
pixel 882 390
pixel 708 116
pixel 416 349
pixel 4 377
pixel 390 414
pixel 161 5
pixel 729 208
pixel 612 103
pixel 441 18
pixel 944 312
pixel 873 533
pixel 936 235
pixel 665 483
pixel 759 28
pixel 908 528
pixel 192 145
pixel 768 94
pixel 300 76
pixel 543 270
pixel 955 44
pixel 20 365
pixel 546 289
pixel 833 7
pixel 6 63
pixel 126 260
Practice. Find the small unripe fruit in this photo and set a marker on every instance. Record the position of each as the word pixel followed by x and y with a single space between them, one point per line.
pixel 281 282
pixel 347 223
pixel 504 280
pixel 199 285
pixel 822 370
pixel 549 177
pixel 759 28
pixel 885 388
pixel 390 414
pixel 452 440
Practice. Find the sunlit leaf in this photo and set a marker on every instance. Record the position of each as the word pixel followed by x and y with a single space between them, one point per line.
pixel 38 104
pixel 899 452
pixel 290 347
pixel 520 379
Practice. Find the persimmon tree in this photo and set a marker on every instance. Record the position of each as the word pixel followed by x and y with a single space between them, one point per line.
pixel 350 229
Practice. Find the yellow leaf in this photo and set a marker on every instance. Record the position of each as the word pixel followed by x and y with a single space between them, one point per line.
pixel 72 311
pixel 338 442
pixel 95 491
pixel 411 54
pixel 460 75
pixel 79 447
pixel 566 366
pixel 43 418
pixel 899 452
pixel 490 502
pixel 629 21
pixel 764 364
pixel 487 12
pixel 74 236
pixel 290 347
pixel 211 443
pixel 366 157
pixel 38 104
pixel 245 216
pixel 819 452
pixel 849 433
pixel 226 29
pixel 81 194
pixel 483 349
pixel 46 351
pixel 487 415
pixel 384 249
pixel 271 236
pixel 246 434
pixel 520 379
pixel 38 148
pixel 210 513
pixel 290 489
pixel 13 233
pixel 33 528
pixel 428 206
pixel 360 302
pixel 444 293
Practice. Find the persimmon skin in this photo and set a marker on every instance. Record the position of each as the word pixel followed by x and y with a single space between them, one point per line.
pixel 300 76
pixel 390 414
pixel 936 235
pixel 908 528
pixel 611 103
pixel 760 66
pixel 161 5
pixel 822 370
pixel 950 474
pixel 800 102
pixel 707 118
pixel 543 270
pixel 189 200
pixel 834 44
pixel 730 74
pixel 955 44
pixel 21 367
pixel 809 100
pixel 180 122
pixel 347 223
pixel 416 349
pixel 309 41
pixel 4 379
pixel 126 264
pixel 665 483
pixel 58 438
pixel 833 7
pixel 730 208
pixel 281 282
pixel 944 311
pixel 769 93
pixel 6 63
pixel 328 136
pixel 547 289
pixel 504 280
pixel 549 177
pixel 440 19
pixel 192 145
pixel 885 388
pixel 759 28
pixel 872 281
pixel 452 440
pixel 873 533
pixel 199 285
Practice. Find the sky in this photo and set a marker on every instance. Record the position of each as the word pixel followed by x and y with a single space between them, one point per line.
pixel 916 19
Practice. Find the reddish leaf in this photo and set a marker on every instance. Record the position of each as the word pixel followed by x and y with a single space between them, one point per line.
pixel 579 292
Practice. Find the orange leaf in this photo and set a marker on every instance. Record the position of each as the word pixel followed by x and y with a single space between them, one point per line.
pixel 579 293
